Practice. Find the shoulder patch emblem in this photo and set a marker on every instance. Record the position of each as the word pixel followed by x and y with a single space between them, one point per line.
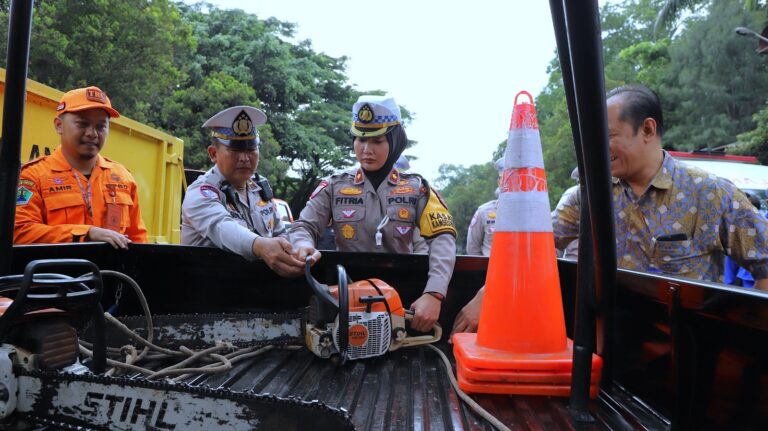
pixel 25 182
pixel 351 191
pixel 403 229
pixel 323 184
pixel 209 191
pixel 347 231
pixel 402 190
pixel 23 195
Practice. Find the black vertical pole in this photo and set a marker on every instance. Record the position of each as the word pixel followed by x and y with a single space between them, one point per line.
pixel 19 31
pixel 586 51
pixel 584 315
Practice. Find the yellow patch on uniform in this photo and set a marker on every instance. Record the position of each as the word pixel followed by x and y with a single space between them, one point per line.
pixel 25 182
pixel 262 203
pixel 436 219
pixel 347 231
pixel 402 190
pixel 492 215
pixel 351 191
pixel 403 182
pixel 403 213
pixel 271 224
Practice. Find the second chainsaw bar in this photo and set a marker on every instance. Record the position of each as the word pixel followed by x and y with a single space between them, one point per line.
pixel 203 330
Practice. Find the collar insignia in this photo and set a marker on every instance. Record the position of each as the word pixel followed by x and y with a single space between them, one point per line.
pixel 394 177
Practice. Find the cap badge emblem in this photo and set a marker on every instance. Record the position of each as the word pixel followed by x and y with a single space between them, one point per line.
pixel 95 95
pixel 242 126
pixel 365 114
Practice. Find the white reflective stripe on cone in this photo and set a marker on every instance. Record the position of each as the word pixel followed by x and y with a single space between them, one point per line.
pixel 523 149
pixel 523 212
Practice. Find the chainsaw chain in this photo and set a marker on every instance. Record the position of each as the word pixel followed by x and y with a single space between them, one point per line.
pixel 203 390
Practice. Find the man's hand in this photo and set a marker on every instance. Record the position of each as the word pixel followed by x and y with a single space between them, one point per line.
pixel 426 310
pixel 115 239
pixel 468 317
pixel 302 252
pixel 761 284
pixel 278 254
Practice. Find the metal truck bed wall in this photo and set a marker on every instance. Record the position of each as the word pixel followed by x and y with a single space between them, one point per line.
pixel 661 324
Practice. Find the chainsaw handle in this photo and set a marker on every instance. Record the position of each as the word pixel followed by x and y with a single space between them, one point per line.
pixel 437 333
pixel 321 290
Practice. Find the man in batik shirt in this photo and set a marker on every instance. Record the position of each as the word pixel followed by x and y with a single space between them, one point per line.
pixel 671 218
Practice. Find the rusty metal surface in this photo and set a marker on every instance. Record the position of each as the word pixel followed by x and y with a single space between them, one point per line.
pixel 404 390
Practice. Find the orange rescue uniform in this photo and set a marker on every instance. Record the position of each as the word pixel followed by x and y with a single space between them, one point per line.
pixel 52 207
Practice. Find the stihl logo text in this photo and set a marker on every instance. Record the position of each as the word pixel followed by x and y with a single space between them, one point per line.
pixel 127 410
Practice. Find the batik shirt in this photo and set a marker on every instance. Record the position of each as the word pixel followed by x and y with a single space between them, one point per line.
pixel 682 225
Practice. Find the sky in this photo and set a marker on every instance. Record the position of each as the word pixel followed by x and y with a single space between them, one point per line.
pixel 456 66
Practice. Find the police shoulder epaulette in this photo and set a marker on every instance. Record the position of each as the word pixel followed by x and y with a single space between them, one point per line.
pixel 340 174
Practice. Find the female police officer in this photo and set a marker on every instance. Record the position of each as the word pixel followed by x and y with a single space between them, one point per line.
pixel 376 208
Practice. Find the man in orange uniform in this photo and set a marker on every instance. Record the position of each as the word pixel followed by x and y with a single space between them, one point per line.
pixel 75 194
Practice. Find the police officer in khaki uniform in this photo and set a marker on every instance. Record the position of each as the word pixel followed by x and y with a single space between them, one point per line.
pixel 375 207
pixel 231 206
pixel 483 224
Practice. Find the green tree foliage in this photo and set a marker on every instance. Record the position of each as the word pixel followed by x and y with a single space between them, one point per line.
pixel 173 65
pixel 465 189
pixel 715 80
pixel 130 48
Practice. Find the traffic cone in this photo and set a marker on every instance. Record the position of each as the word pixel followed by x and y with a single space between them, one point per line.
pixel 521 346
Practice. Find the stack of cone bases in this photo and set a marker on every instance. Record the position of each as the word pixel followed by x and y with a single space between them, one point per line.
pixel 520 346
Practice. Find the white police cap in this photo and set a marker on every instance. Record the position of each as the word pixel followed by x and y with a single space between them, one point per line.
pixel 373 115
pixel 236 126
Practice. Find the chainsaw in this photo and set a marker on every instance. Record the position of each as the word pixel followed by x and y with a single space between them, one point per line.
pixel 357 320
pixel 43 382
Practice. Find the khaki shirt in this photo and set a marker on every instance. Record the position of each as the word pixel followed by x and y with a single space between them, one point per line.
pixel 481 228
pixel 348 200
pixel 209 218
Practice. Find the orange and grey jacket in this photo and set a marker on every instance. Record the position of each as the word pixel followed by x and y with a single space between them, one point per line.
pixel 51 206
